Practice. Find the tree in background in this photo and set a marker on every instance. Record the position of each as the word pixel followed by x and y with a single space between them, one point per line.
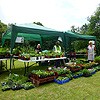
pixel 94 23
pixel 94 27
pixel 3 28
pixel 84 29
pixel 75 29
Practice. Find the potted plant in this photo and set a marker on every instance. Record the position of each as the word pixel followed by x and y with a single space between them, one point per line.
pixel 5 87
pixel 28 85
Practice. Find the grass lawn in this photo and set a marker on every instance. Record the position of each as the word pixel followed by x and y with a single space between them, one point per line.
pixel 77 89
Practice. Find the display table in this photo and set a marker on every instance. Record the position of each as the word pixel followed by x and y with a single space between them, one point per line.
pixel 26 62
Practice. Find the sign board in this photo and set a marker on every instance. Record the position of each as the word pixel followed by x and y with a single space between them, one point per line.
pixel 19 40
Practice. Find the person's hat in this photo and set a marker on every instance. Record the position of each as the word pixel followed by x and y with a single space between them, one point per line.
pixel 93 42
pixel 60 39
pixel 90 42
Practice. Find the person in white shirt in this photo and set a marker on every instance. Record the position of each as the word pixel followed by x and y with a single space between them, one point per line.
pixel 90 50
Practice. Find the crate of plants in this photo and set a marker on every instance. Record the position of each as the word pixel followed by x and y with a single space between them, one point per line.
pixel 41 76
pixel 62 80
pixel 88 72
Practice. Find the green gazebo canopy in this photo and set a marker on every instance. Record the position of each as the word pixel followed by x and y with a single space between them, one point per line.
pixel 37 33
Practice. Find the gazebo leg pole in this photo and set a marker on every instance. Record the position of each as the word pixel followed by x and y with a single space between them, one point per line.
pixel 10 63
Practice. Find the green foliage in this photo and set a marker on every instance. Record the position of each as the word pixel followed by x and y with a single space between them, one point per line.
pixel 3 51
pixel 14 82
pixel 61 71
pixel 28 85
pixel 84 29
pixel 42 73
pixel 16 51
pixel 80 46
pixel 94 25
pixel 97 59
pixel 97 68
pixel 5 87
pixel 98 46
pixel 85 71
pixel 60 78
pixel 88 72
pixel 70 76
pixel 48 44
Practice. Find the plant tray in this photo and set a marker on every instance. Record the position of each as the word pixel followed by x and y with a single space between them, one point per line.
pixel 61 81
pixel 38 81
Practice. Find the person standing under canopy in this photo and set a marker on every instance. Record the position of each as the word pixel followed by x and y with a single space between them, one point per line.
pixel 90 51
pixel 38 48
pixel 57 47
